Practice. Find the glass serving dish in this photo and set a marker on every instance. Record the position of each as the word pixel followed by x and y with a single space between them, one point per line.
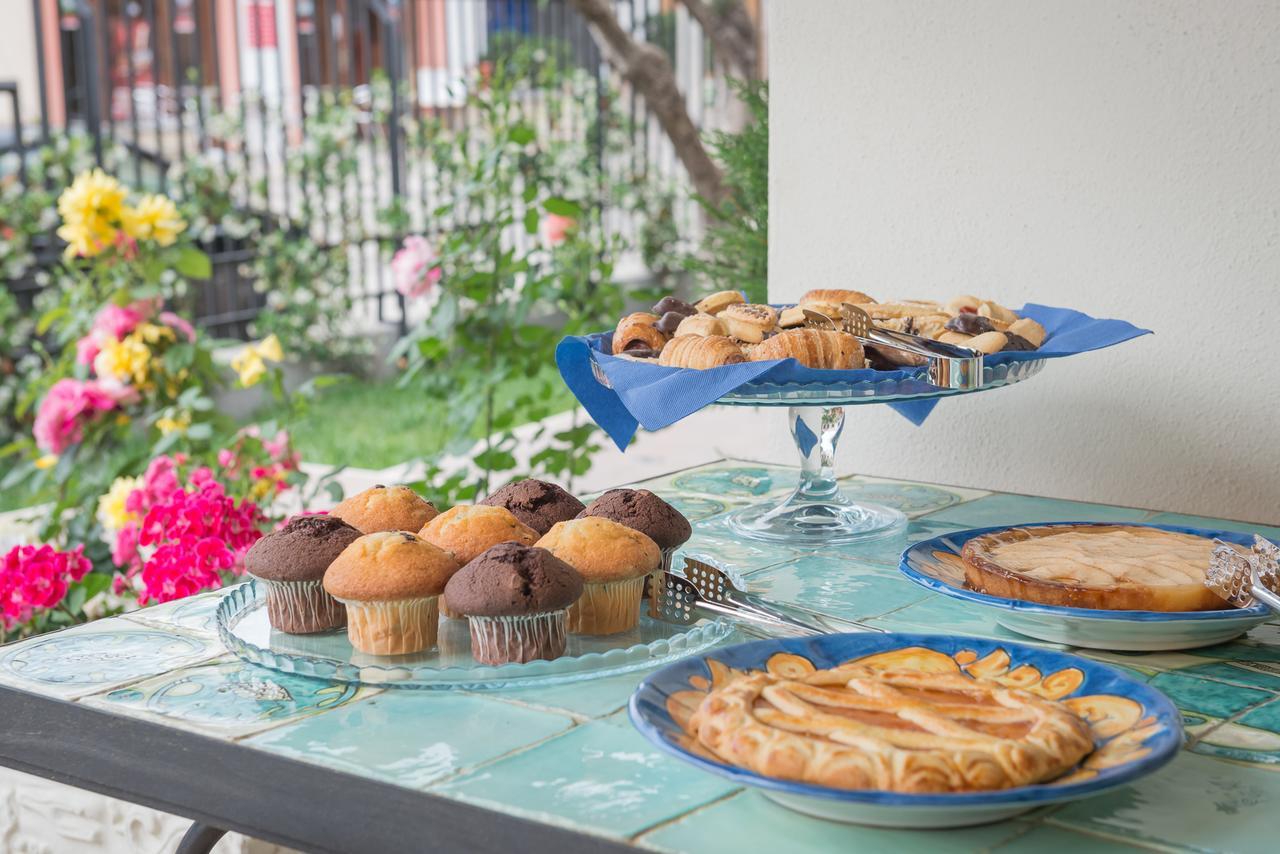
pixel 242 625
pixel 817 513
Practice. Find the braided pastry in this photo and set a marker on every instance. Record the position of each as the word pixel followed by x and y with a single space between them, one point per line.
pixel 813 348
pixel 700 351
pixel 855 727
pixel 637 331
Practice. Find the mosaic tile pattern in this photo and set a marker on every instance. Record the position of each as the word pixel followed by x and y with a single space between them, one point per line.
pixel 567 754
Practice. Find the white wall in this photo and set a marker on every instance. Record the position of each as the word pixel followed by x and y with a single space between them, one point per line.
pixel 18 61
pixel 1117 156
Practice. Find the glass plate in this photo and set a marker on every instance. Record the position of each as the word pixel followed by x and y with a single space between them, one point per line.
pixel 243 627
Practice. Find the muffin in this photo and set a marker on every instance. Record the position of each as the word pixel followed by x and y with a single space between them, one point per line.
pixel 537 503
pixel 647 513
pixel 468 529
pixel 391 583
pixel 385 508
pixel 516 598
pixel 291 562
pixel 614 561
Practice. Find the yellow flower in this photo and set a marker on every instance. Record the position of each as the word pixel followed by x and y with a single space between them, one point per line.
pixel 250 363
pixel 126 361
pixel 112 512
pixel 167 425
pixel 153 333
pixel 90 208
pixel 48 461
pixel 155 217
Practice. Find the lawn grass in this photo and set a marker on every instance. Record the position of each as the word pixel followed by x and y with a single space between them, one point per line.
pixel 373 424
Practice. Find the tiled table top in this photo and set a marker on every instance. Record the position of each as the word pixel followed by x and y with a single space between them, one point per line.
pixel 567 755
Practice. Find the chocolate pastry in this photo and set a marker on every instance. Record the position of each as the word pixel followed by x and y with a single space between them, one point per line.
pixel 1017 343
pixel 675 304
pixel 669 323
pixel 969 323
pixel 638 330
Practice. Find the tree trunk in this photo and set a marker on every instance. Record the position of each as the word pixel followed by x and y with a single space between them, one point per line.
pixel 647 69
pixel 732 34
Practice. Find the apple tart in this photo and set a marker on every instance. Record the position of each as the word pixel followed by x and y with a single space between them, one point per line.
pixel 854 727
pixel 1107 567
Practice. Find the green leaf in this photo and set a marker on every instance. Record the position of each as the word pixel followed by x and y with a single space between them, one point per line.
pixel 200 432
pixel 522 134
pixel 562 207
pixel 49 318
pixel 192 263
pixel 531 221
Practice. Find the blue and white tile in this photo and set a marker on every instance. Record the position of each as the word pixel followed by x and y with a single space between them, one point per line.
pixel 228 698
pixel 837 586
pixel 593 698
pixel 106 653
pixel 411 738
pixel 736 481
pixel 911 497
pixel 193 614
pixel 599 776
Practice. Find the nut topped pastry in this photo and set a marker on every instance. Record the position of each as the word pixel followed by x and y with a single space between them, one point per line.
pixel 385 508
pixel 858 727
pixel 749 323
pixel 1108 567
pixel 537 503
pixel 613 561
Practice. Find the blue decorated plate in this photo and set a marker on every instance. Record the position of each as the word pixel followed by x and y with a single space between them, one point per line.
pixel 1136 729
pixel 936 564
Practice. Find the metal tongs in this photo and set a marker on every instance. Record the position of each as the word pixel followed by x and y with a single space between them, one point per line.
pixel 705 591
pixel 949 366
pixel 1243 578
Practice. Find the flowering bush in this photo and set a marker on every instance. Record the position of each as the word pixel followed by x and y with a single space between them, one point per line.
pixel 36 579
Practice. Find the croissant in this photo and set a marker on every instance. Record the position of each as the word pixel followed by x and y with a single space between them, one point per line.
pixel 835 295
pixel 637 331
pixel 701 351
pixel 813 348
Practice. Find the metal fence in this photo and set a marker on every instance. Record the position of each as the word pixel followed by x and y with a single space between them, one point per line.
pixel 247 87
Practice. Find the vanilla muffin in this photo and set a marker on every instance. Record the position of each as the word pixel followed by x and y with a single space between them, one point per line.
pixel 391 583
pixel 468 530
pixel 613 561
pixel 385 508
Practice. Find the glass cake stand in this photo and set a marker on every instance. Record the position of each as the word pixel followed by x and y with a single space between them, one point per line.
pixel 816 513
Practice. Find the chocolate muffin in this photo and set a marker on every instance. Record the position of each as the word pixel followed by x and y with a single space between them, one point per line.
pixel 516 598
pixel 537 503
pixel 291 563
pixel 645 512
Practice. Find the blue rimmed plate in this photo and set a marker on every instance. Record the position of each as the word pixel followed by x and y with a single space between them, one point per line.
pixel 1136 729
pixel 936 564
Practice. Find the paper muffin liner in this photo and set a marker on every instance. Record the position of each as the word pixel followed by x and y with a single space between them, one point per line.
pixel 446 611
pixel 608 608
pixel 393 628
pixel 302 607
pixel 528 637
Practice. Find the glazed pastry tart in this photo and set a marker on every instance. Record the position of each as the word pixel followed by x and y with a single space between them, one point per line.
pixel 854 727
pixel 1110 567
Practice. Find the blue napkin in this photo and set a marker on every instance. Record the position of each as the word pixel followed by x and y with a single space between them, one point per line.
pixel 652 396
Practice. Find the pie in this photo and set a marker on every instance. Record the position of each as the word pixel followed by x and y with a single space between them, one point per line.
pixel 1111 567
pixel 855 727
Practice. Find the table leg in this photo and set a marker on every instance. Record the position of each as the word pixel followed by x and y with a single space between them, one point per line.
pixel 199 839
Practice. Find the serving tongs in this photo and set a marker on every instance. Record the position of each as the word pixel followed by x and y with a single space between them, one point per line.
pixel 705 591
pixel 949 366
pixel 1243 578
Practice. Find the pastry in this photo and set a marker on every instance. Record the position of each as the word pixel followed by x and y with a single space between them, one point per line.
pixel 836 296
pixel 291 563
pixel 669 323
pixel 673 304
pixel 700 324
pixel 691 351
pixel 903 308
pixel 790 318
pixel 1109 567
pixel 718 302
pixel 1029 330
pixel 467 530
pixel 637 331
pixel 516 599
pixel 536 503
pixel 391 583
pixel 385 508
pixel 749 323
pixel 813 348
pixel 987 342
pixel 614 561
pixel 854 727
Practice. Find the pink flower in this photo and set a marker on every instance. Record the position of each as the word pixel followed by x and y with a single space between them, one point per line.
pixel 555 228
pixel 88 348
pixel 414 268
pixel 178 324
pixel 36 578
pixel 65 411
pixel 117 321
pixel 226 458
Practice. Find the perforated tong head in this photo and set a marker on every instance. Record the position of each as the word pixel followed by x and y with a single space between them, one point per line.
pixel 949 366
pixel 1243 578
pixel 704 591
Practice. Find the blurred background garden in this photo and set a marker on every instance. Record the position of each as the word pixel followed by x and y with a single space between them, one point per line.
pixel 253 249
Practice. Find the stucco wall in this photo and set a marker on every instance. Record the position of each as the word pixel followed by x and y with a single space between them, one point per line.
pixel 1118 157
